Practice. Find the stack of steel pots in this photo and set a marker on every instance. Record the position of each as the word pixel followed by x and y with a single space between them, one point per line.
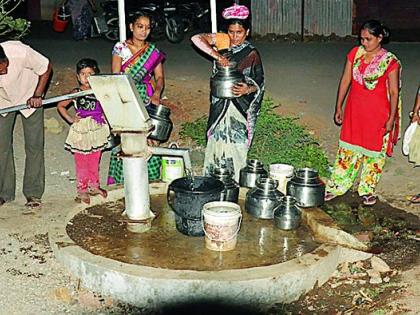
pixel 249 175
pixel 160 119
pixel 231 192
pixel 223 80
pixel 307 188
pixel 261 200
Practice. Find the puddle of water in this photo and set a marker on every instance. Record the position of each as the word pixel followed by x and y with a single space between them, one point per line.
pixel 101 231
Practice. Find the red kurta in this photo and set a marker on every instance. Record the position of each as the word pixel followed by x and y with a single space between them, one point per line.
pixel 366 112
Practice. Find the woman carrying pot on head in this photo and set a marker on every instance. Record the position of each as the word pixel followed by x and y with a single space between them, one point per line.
pixel 231 123
pixel 371 119
pixel 142 61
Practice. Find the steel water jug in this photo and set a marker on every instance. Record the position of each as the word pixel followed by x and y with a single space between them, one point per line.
pixel 160 119
pixel 287 215
pixel 223 79
pixel 307 188
pixel 263 198
pixel 249 174
pixel 225 175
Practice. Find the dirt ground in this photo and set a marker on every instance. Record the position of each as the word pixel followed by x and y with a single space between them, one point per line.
pixel 32 281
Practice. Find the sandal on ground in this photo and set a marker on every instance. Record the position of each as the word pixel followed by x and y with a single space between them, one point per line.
pixel 33 203
pixel 415 199
pixel 329 196
pixel 98 191
pixel 82 197
pixel 369 200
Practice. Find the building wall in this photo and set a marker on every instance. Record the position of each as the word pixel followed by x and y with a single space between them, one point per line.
pixel 401 16
pixel 321 17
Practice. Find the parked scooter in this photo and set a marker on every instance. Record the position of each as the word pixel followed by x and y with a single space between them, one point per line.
pixel 165 20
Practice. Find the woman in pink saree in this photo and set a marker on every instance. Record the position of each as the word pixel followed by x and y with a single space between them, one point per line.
pixel 142 61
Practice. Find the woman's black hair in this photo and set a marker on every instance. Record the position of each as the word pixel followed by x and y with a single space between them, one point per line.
pixel 376 29
pixel 242 22
pixel 87 63
pixel 135 17
pixel 138 15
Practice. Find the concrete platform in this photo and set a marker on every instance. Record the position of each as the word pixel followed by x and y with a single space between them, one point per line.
pixel 156 288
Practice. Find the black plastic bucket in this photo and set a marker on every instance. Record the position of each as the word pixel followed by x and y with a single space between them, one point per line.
pixel 189 199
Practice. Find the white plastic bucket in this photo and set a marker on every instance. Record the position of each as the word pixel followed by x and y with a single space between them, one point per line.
pixel 221 224
pixel 282 173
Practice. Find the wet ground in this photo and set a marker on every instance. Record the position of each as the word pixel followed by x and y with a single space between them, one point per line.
pixel 102 230
pixel 391 233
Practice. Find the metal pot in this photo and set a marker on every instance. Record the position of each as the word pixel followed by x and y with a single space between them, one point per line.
pixel 249 175
pixel 231 191
pixel 287 215
pixel 190 197
pixel 307 188
pixel 223 80
pixel 261 200
pixel 160 119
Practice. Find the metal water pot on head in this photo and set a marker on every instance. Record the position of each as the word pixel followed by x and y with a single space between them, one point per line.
pixel 287 214
pixel 225 175
pixel 307 188
pixel 223 80
pixel 263 198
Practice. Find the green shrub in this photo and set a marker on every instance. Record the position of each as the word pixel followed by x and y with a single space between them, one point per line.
pixel 278 139
pixel 10 27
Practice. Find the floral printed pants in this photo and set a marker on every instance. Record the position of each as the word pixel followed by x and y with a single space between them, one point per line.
pixel 347 166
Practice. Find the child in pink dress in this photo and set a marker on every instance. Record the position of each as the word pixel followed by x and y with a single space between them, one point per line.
pixel 88 135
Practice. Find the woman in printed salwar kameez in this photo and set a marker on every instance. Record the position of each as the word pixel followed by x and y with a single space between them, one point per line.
pixel 142 61
pixel 371 118
pixel 231 122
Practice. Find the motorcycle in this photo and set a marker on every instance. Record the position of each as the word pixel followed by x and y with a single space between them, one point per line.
pixel 194 16
pixel 165 20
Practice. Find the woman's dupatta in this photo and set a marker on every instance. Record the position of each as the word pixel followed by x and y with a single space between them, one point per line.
pixel 141 66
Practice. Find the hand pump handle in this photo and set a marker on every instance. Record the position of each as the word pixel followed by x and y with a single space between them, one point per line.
pixel 54 99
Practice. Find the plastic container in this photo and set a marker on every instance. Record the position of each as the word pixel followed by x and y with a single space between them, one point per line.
pixel 60 19
pixel 221 224
pixel 282 173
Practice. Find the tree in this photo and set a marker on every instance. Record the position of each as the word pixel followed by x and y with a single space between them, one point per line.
pixel 10 27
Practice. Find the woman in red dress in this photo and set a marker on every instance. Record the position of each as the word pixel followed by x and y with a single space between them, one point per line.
pixel 370 119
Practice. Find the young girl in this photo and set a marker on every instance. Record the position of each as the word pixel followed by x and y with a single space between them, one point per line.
pixel 88 134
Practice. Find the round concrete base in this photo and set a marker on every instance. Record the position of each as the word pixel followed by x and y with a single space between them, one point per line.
pixel 156 288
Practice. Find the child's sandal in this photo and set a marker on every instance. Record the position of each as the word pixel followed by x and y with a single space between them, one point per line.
pixel 82 197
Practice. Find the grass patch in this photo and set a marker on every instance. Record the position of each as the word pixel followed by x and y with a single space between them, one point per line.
pixel 278 139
